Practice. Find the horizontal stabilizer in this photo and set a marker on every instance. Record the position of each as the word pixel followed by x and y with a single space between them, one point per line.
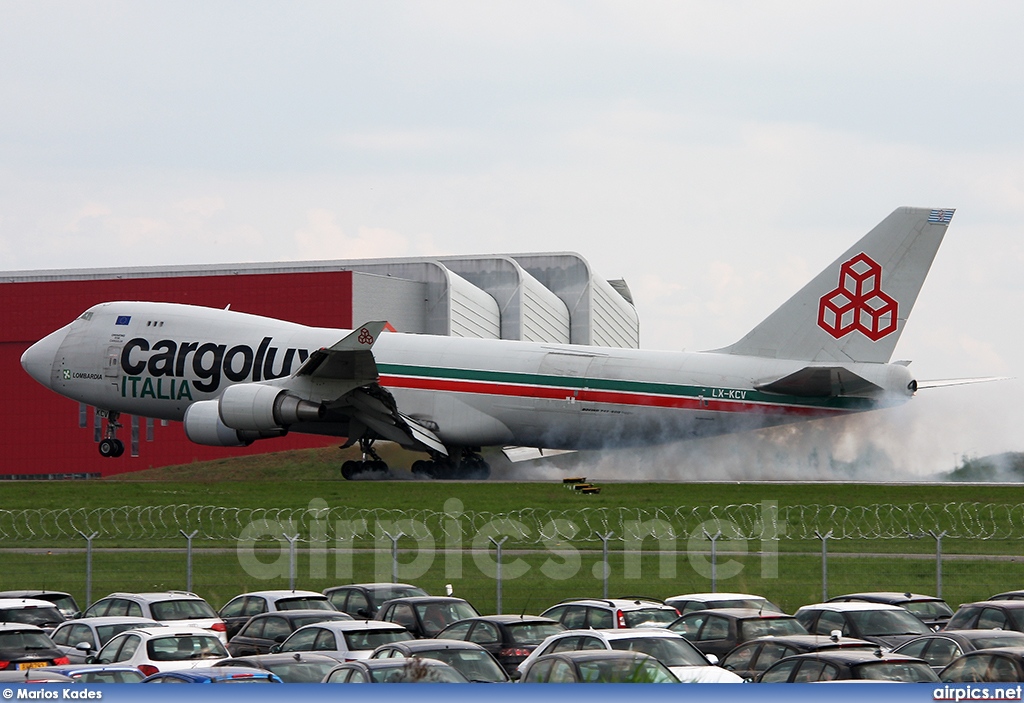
pixel 820 382
pixel 350 359
pixel 517 454
pixel 922 385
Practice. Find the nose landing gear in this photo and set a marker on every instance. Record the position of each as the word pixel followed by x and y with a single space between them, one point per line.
pixel 110 445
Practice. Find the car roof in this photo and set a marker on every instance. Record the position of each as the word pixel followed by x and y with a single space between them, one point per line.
pixel 376 584
pixel 170 631
pixel 18 627
pixel 850 606
pixel 280 657
pixel 509 619
pixel 112 620
pixel 893 596
pixel 304 612
pixel 976 634
pixel 1008 604
pixel 714 596
pixel 25 603
pixel 614 602
pixel 151 596
pixel 420 645
pixel 28 593
pixel 282 593
pixel 585 654
pixel 623 633
pixel 853 656
pixel 1007 593
pixel 428 599
pixel 217 672
pixel 739 613
pixel 355 625
pixel 812 641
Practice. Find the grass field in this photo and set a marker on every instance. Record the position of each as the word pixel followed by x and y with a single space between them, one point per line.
pixel 792 578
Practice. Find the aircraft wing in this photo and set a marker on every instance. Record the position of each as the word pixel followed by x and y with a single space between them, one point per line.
pixel 942 383
pixel 346 375
pixel 820 382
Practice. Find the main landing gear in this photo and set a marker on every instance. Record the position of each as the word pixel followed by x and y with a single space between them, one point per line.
pixel 350 469
pixel 468 466
pixel 110 445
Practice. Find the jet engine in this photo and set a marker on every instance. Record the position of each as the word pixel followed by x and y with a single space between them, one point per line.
pixel 257 408
pixel 204 426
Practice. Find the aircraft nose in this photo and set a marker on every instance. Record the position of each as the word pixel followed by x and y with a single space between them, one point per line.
pixel 38 359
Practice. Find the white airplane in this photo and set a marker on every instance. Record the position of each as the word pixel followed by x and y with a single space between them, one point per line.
pixel 234 378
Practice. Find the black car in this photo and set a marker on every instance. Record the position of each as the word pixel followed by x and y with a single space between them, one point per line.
pixel 1001 665
pixel 989 615
pixel 931 610
pixel 237 611
pixel 886 625
pixel 941 648
pixel 848 665
pixel 65 602
pixel 363 600
pixel 27 646
pixel 1008 595
pixel 394 671
pixel 597 666
pixel 292 667
pixel 472 661
pixel 750 659
pixel 425 616
pixel 263 631
pixel 719 631
pixel 509 638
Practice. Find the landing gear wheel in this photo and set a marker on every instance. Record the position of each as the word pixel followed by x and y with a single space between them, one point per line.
pixel 118 448
pixel 108 447
pixel 350 469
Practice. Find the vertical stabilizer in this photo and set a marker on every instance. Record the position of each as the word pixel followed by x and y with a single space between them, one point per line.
pixel 855 309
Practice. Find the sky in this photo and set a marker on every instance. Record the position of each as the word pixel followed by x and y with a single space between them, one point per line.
pixel 716 155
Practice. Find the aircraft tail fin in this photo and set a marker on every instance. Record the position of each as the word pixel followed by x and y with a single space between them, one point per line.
pixel 855 309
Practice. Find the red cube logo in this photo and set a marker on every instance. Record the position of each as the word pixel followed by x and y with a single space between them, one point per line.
pixel 859 302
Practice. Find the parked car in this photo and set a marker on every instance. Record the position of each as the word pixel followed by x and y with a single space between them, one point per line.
pixel 597 667
pixel 719 631
pixel 509 638
pixel 290 667
pixel 684 660
pixel 417 670
pixel 155 649
pixel 363 600
pixel 886 625
pixel 931 610
pixel 29 611
pixel 473 661
pixel 27 647
pixel 227 674
pixel 79 639
pixel 40 675
pixel 601 614
pixel 939 649
pixel 343 639
pixel 178 608
pixel 1008 595
pixel 989 615
pixel 99 673
pixel 840 665
pixel 425 616
pixel 267 629
pixel 750 659
pixel 64 602
pixel 1000 665
pixel 237 611
pixel 689 602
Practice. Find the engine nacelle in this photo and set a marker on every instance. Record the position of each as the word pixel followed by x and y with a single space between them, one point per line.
pixel 204 426
pixel 252 407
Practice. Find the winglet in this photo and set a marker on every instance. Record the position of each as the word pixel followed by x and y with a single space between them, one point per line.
pixel 349 358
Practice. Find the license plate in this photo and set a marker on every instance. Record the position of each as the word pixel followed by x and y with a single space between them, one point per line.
pixel 32 665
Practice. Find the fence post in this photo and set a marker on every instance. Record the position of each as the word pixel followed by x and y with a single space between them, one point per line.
pixel 497 545
pixel 714 558
pixel 88 565
pixel 188 559
pixel 605 568
pixel 824 562
pixel 291 559
pixel 394 553
pixel 938 560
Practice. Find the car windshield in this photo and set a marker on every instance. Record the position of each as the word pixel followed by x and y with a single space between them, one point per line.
pixel 27 640
pixel 762 627
pixel 371 639
pixel 304 603
pixel 66 604
pixel 895 671
pixel 185 647
pixel 659 617
pixel 412 671
pixel 928 609
pixel 299 671
pixel 437 616
pixel 474 664
pixel 310 619
pixel 379 595
pixel 32 615
pixel 670 651
pixel 101 676
pixel 105 632
pixel 182 609
pixel 624 671
pixel 876 623
pixel 533 632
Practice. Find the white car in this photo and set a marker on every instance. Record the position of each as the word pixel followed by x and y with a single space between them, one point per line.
pixel 689 602
pixel 177 608
pixel 343 639
pixel 155 649
pixel 79 639
pixel 30 611
pixel 239 609
pixel 670 648
pixel 885 625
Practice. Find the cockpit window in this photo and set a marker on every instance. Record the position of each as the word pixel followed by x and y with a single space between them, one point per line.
pixel 85 316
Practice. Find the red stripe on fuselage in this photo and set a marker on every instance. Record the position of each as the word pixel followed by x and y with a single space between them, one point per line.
pixel 598 396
